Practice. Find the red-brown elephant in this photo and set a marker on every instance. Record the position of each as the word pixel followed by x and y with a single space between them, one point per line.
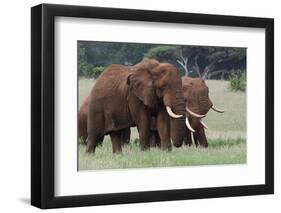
pixel 82 119
pixel 198 103
pixel 196 96
pixel 82 124
pixel 124 97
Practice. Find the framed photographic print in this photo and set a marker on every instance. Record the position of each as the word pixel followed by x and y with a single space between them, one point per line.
pixel 139 106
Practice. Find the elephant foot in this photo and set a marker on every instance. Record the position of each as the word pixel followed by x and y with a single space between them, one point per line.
pixel 144 147
pixel 167 147
pixel 90 150
pixel 117 151
pixel 91 146
pixel 189 143
pixel 116 140
pixel 116 148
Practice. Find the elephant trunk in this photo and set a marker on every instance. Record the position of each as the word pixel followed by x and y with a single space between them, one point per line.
pixel 176 101
pixel 204 105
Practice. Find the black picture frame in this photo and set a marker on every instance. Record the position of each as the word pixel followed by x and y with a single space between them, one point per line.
pixel 43 102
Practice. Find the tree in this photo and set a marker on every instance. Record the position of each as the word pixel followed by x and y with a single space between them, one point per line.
pixel 82 62
pixel 163 53
pixel 195 61
pixel 183 62
pixel 207 62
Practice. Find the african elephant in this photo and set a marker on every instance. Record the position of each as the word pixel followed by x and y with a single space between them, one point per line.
pixel 82 124
pixel 198 103
pixel 196 96
pixel 82 119
pixel 130 96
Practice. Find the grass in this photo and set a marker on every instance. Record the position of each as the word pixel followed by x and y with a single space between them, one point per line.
pixel 226 137
pixel 220 152
pixel 85 85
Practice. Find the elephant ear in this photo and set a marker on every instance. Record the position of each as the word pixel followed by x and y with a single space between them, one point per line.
pixel 141 85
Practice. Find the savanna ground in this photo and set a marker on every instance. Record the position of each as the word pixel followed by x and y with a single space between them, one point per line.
pixel 226 136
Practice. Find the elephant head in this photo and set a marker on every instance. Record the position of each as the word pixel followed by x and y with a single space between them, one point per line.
pixel 197 100
pixel 158 85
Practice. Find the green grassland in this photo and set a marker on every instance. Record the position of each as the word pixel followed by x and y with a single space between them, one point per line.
pixel 226 137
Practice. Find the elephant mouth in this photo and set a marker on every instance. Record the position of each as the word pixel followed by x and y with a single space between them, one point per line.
pixel 193 114
pixel 196 115
pixel 199 117
pixel 176 116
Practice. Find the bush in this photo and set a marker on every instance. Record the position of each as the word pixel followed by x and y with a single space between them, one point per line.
pixel 90 71
pixel 238 81
pixel 96 71
pixel 162 53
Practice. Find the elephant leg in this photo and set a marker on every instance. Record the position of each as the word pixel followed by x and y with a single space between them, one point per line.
pixel 144 134
pixel 92 142
pixel 82 132
pixel 83 135
pixel 157 140
pixel 163 125
pixel 202 137
pixel 187 138
pixel 116 139
pixel 142 117
pixel 126 134
pixel 100 141
pixel 82 128
pixel 95 130
pixel 153 138
pixel 144 131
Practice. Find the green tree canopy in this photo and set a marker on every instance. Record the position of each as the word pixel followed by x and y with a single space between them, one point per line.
pixel 202 61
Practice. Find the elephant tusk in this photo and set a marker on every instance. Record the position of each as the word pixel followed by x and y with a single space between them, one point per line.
pixel 194 114
pixel 204 125
pixel 171 113
pixel 217 110
pixel 188 125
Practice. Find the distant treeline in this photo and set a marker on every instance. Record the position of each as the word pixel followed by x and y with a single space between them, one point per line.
pixel 204 61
